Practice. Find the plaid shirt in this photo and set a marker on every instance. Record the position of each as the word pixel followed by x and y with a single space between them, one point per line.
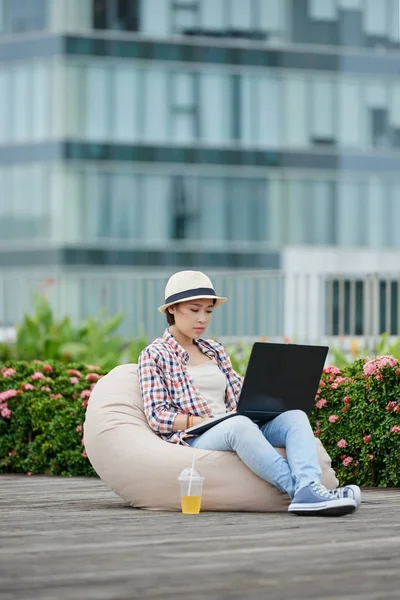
pixel 168 389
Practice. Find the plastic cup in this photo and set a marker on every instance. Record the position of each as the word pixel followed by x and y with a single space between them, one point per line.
pixel 191 491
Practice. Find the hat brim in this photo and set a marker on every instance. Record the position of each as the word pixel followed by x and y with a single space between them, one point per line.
pixel 218 301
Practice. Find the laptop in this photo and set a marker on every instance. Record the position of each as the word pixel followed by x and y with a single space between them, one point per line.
pixel 279 377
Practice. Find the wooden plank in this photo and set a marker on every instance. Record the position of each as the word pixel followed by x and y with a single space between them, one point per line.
pixel 73 538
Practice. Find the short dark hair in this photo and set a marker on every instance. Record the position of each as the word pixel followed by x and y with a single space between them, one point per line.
pixel 170 317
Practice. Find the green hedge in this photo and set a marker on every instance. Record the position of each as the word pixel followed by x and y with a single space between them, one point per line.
pixel 42 408
pixel 356 416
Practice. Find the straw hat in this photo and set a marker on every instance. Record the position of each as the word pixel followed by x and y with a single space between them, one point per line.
pixel 189 285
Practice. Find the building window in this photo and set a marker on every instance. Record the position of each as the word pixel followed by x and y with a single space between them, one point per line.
pixel 184 16
pixel 184 208
pixel 23 15
pixel 122 15
pixel 322 113
pixel 184 110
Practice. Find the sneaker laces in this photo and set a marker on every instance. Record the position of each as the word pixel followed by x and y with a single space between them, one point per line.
pixel 321 490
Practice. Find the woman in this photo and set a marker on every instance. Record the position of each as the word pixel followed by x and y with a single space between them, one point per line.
pixel 186 379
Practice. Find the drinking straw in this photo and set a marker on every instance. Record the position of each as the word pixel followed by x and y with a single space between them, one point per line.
pixel 191 475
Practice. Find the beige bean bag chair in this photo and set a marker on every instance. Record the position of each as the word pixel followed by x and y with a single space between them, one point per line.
pixel 143 469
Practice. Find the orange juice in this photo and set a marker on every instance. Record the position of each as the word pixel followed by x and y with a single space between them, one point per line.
pixel 191 505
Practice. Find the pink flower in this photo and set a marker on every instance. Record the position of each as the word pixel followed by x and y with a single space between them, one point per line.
pixel 371 457
pixel 321 403
pixel 44 388
pixel 318 423
pixel 9 372
pixel 396 408
pixel 337 382
pixel 47 368
pixel 341 444
pixel 333 418
pixel 395 429
pixel 74 380
pixel 56 396
pixel 85 403
pixel 92 368
pixel 317 432
pixel 74 373
pixel 93 377
pixel 367 439
pixel 79 428
pixel 27 387
pixel 37 375
pixel 82 441
pixel 372 367
pixel 345 408
pixel 347 461
pixel 391 406
pixel 7 395
pixel 346 400
pixel 92 387
pixel 321 384
pixel 331 369
pixel 397 371
pixel 84 454
pixel 85 394
pixel 29 473
pixel 5 412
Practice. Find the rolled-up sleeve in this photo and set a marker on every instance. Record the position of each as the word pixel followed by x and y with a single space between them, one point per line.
pixel 156 399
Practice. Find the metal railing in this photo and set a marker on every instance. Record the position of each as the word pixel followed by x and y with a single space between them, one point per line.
pixel 306 308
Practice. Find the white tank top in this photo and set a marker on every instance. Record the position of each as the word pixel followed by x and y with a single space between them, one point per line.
pixel 211 383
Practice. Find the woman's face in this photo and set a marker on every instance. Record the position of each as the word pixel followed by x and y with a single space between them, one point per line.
pixel 192 317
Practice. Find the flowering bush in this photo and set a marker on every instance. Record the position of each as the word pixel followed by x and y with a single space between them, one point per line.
pixel 357 418
pixel 42 409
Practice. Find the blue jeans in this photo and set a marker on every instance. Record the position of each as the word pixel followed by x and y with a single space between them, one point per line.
pixel 255 447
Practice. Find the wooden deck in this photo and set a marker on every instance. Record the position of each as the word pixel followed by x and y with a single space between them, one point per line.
pixel 74 539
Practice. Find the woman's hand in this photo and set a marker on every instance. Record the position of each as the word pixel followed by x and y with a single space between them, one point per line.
pixel 183 422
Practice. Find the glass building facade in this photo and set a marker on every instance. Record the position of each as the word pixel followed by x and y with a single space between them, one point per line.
pixel 196 132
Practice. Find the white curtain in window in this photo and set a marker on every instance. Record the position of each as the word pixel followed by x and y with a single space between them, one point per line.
pixel 296 113
pixel 378 213
pixel 277 211
pixel 183 126
pixel 212 14
pixel 247 108
pixel 395 215
pixel 351 4
pixel 240 16
pixel 155 17
pixel 21 102
pixel 349 214
pixel 125 206
pixel 395 105
pixel 375 17
pixel 272 15
pixel 321 212
pixel 349 113
pixel 297 213
pixel 323 103
pixel 269 112
pixel 98 108
pixel 212 207
pixel 6 104
pixel 214 108
pixel 41 100
pixel 125 114
pixel 155 106
pixel 324 10
pixel 156 224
